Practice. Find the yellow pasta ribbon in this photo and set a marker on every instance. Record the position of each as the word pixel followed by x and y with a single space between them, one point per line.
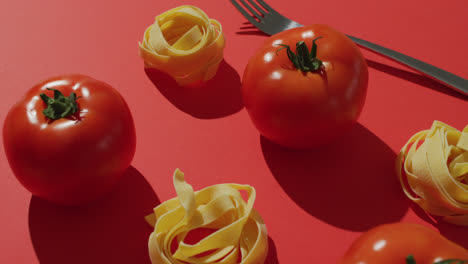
pixel 184 43
pixel 240 230
pixel 435 164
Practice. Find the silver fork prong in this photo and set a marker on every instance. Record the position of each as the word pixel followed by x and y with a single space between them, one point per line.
pixel 255 13
pixel 257 7
pixel 265 5
pixel 245 13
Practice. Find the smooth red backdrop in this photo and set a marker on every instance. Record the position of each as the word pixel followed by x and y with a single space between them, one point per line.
pixel 315 203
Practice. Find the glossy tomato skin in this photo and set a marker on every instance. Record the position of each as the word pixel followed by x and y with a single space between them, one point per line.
pixel 303 110
pixel 71 160
pixel 392 243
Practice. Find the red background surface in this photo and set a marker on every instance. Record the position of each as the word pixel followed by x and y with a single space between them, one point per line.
pixel 315 203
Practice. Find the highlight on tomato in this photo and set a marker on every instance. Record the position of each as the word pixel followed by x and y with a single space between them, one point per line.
pixel 69 139
pixel 404 243
pixel 305 86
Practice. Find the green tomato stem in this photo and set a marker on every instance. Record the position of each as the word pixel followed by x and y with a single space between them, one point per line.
pixel 303 59
pixel 410 260
pixel 59 106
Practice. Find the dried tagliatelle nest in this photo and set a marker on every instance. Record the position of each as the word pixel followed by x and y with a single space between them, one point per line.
pixel 184 43
pixel 239 236
pixel 433 171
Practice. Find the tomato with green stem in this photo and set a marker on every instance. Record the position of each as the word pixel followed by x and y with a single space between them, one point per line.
pixel 306 97
pixel 404 243
pixel 69 139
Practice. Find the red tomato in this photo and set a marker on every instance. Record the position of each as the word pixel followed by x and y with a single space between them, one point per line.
pixel 75 159
pixel 393 243
pixel 298 108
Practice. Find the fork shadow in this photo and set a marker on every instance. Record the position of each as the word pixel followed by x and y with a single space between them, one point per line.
pixel 110 230
pixel 416 78
pixel 248 28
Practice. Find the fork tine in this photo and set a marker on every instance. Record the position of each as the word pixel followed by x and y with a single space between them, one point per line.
pixel 256 14
pixel 245 13
pixel 265 5
pixel 257 7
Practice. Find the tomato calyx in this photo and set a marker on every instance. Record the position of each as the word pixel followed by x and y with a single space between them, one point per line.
pixel 303 59
pixel 410 260
pixel 59 106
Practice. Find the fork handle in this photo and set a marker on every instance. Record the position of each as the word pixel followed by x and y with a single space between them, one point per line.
pixel 449 79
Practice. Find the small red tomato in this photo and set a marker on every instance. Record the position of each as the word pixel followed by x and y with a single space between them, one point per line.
pixel 305 86
pixel 403 243
pixel 69 139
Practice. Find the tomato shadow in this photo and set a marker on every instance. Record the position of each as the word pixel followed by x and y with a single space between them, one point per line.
pixel 350 184
pixel 110 230
pixel 416 78
pixel 220 97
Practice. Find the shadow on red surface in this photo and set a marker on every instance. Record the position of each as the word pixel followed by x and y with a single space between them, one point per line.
pixel 272 257
pixel 221 96
pixel 455 233
pixel 248 28
pixel 415 78
pixel 350 183
pixel 111 230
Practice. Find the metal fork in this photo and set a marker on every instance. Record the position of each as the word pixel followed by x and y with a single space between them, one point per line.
pixel 272 22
